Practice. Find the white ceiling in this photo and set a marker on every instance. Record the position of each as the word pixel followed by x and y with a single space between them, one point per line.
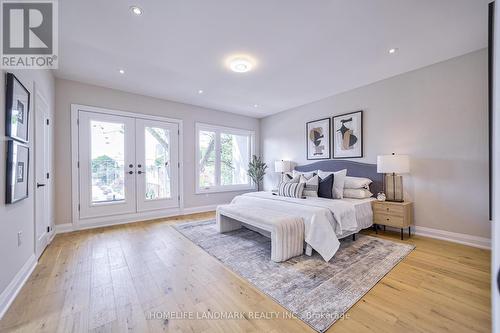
pixel 306 50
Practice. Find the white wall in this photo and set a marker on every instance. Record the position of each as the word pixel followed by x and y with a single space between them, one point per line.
pixel 437 115
pixel 71 92
pixel 19 216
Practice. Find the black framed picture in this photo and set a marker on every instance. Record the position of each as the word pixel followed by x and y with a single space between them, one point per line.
pixel 348 135
pixel 318 139
pixel 17 106
pixel 17 171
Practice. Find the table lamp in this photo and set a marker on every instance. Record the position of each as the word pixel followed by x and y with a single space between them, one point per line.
pixel 282 167
pixel 393 166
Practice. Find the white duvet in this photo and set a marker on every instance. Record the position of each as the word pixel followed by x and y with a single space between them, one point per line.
pixel 324 219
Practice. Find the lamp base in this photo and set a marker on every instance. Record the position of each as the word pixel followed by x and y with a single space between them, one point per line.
pixel 394 188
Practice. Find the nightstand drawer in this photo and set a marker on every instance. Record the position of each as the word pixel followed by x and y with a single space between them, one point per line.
pixel 390 220
pixel 380 208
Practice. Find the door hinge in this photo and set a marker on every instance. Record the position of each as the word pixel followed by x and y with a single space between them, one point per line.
pixel 48 228
pixel 78 121
pixel 179 197
pixel 78 207
pixel 48 122
pixel 78 164
pixel 178 132
pixel 178 164
pixel 48 175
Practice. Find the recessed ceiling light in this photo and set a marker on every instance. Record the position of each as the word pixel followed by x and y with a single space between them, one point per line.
pixel 240 64
pixel 393 50
pixel 200 91
pixel 136 10
pixel 256 105
pixel 121 71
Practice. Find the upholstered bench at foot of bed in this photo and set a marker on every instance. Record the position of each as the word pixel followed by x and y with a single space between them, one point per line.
pixel 287 231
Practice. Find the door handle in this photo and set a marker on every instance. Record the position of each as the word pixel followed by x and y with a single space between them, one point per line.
pixel 38 185
pixel 130 172
pixel 140 172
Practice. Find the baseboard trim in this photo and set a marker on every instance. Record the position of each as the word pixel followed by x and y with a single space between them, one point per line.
pixel 455 237
pixel 199 209
pixel 69 227
pixel 63 228
pixel 10 293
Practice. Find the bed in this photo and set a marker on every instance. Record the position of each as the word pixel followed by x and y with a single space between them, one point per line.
pixel 326 221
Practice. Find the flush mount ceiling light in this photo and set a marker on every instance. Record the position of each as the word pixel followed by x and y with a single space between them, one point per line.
pixel 136 10
pixel 256 105
pixel 121 71
pixel 393 50
pixel 240 64
pixel 200 91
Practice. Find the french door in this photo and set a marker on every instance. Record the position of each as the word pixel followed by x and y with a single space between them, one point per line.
pixel 126 165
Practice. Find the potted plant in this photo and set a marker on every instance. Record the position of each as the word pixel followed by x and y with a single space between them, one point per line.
pixel 257 170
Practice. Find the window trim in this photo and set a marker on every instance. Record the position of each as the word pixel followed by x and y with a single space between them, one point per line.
pixel 218 129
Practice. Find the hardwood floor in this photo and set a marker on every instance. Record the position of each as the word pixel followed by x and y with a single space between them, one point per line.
pixel 116 279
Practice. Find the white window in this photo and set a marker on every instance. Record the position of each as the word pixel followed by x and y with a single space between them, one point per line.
pixel 222 156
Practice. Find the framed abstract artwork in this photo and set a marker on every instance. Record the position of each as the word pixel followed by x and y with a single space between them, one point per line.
pixel 318 139
pixel 17 171
pixel 17 105
pixel 348 135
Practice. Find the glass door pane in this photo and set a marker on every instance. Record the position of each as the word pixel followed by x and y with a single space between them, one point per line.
pixel 107 164
pixel 108 161
pixel 157 166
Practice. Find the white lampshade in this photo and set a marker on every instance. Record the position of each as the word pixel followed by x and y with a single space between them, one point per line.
pixel 282 166
pixel 393 164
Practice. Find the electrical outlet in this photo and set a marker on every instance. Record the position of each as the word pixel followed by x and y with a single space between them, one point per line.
pixel 19 238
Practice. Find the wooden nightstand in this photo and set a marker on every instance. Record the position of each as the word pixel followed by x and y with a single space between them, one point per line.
pixel 393 214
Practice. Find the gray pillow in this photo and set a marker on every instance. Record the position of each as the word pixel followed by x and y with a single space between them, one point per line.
pixel 311 185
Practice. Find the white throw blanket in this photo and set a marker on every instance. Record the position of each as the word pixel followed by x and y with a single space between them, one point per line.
pixel 324 219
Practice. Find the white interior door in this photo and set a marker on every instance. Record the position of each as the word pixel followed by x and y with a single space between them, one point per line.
pixel 42 176
pixel 106 164
pixel 157 158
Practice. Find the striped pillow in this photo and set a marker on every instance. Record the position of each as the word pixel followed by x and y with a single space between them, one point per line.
pixel 291 190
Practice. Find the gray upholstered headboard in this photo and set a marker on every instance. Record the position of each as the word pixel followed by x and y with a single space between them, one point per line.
pixel 354 169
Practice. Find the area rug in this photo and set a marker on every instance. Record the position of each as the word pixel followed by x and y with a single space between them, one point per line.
pixel 317 292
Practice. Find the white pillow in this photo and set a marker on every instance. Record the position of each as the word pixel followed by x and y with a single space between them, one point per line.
pixel 357 193
pixel 338 182
pixel 307 174
pixel 357 182
pixel 311 185
pixel 286 179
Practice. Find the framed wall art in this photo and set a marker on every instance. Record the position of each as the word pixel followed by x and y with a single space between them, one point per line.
pixel 17 171
pixel 348 135
pixel 318 139
pixel 17 105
